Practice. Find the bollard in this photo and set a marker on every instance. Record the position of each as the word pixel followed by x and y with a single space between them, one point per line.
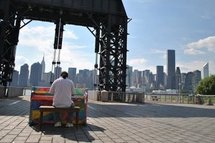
pixel 104 95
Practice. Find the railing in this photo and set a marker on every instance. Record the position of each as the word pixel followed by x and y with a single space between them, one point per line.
pixel 186 99
pixel 120 96
pixel 10 91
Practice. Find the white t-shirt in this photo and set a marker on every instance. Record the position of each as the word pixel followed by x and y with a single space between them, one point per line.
pixel 62 89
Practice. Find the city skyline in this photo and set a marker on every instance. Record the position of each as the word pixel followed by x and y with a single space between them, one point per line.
pixel 156 25
pixel 43 64
pixel 141 80
pixel 154 72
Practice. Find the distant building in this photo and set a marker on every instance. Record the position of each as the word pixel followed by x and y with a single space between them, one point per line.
pixel 171 69
pixel 146 76
pixel 160 77
pixel 165 80
pixel 15 78
pixel 178 78
pixel 72 74
pixel 148 80
pixel 92 79
pixel 23 77
pixel 83 78
pixel 136 77
pixel 188 85
pixel 43 68
pixel 192 80
pixel 183 77
pixel 196 79
pixel 47 79
pixel 129 76
pixel 36 73
pixel 95 79
pixel 57 72
pixel 206 70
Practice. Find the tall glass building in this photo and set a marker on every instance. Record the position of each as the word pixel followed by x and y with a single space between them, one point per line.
pixel 171 84
pixel 206 70
pixel 178 78
pixel 23 77
pixel 36 73
pixel 15 78
pixel 159 77
pixel 129 76
pixel 57 72
pixel 72 74
pixel 43 68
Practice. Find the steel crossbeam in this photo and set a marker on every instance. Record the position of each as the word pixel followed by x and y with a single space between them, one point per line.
pixel 107 17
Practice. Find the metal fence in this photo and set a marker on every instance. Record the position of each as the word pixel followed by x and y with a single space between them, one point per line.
pixel 11 91
pixel 186 99
pixel 121 96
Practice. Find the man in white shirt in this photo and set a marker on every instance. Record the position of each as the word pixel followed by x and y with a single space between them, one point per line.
pixel 63 89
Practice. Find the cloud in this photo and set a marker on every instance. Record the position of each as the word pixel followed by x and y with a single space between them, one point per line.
pixel 196 65
pixel 140 61
pixel 36 41
pixel 206 17
pixel 159 51
pixel 70 35
pixel 37 37
pixel 201 46
pixel 42 37
pixel 20 60
pixel 140 64
pixel 190 66
pixel 70 58
pixel 143 1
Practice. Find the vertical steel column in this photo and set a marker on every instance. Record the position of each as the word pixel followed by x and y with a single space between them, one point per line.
pixel 9 33
pixel 113 55
pixel 102 63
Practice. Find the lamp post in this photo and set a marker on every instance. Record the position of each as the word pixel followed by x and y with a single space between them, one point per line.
pixel 179 91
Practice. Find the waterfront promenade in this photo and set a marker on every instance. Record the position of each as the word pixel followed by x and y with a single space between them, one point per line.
pixel 114 122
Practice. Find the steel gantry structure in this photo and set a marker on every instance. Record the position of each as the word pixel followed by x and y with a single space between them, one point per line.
pixel 106 19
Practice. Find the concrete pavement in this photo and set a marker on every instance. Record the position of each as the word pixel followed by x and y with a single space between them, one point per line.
pixel 114 122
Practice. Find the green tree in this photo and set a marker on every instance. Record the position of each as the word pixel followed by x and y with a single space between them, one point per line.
pixel 206 86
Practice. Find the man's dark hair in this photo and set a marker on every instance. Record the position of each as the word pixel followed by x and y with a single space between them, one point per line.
pixel 64 74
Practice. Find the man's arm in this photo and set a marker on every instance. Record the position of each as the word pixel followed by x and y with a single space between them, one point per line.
pixel 52 89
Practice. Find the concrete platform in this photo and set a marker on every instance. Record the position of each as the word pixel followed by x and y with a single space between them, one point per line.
pixel 114 123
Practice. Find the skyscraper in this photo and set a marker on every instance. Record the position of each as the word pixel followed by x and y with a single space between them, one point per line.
pixel 72 74
pixel 159 77
pixel 205 70
pixel 171 69
pixel 15 78
pixel 36 73
pixel 196 79
pixel 43 68
pixel 136 76
pixel 23 77
pixel 47 78
pixel 188 85
pixel 178 78
pixel 183 78
pixel 129 76
pixel 57 72
pixel 83 78
pixel 92 78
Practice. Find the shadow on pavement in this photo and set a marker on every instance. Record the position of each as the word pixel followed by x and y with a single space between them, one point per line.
pixel 17 106
pixel 76 133
pixel 20 106
pixel 147 110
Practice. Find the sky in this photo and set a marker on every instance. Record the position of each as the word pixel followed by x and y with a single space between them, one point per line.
pixel 186 26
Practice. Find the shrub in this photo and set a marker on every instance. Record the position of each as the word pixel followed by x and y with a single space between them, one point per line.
pixel 206 86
